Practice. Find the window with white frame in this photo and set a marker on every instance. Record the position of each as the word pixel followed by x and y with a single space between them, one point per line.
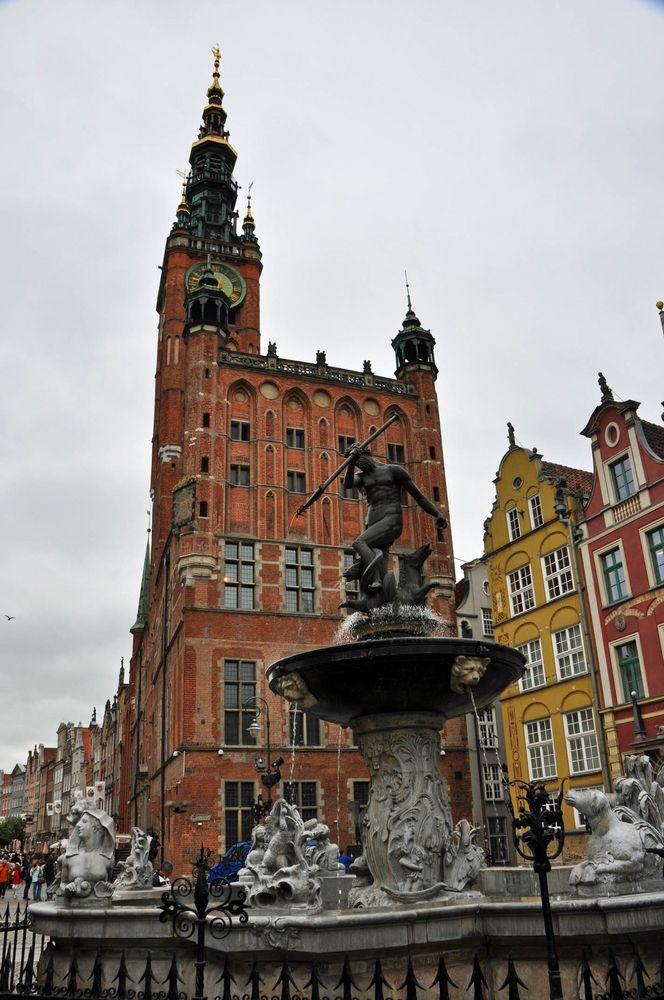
pixel 582 746
pixel 568 650
pixel 534 676
pixel 520 585
pixel 541 752
pixel 493 782
pixel 487 729
pixel 513 525
pixel 487 622
pixel 535 508
pixel 497 830
pixel 557 573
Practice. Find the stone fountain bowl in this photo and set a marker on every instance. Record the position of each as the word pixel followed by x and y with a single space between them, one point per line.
pixel 406 674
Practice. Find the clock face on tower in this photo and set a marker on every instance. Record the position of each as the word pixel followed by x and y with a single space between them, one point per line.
pixel 229 280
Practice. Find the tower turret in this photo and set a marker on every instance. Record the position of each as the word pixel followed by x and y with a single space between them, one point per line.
pixel 207 304
pixel 413 345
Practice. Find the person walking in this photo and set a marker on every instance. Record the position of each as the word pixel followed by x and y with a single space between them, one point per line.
pixel 36 878
pixel 25 875
pixel 5 872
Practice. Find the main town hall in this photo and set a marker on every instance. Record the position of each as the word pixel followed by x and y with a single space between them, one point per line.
pixel 234 579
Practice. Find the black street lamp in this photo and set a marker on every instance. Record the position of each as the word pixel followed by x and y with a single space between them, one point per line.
pixel 539 835
pixel 268 769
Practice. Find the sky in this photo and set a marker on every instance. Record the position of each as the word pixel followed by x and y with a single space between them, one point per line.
pixel 509 156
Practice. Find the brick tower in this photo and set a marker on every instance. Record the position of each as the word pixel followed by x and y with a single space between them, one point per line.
pixel 234 579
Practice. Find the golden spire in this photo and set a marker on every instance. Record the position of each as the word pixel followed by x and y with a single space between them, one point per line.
pixel 183 200
pixel 215 86
pixel 249 219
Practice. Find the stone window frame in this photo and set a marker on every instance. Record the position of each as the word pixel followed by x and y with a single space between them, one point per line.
pixel 305 591
pixel 304 730
pixel 241 580
pixel 621 474
pixel 396 453
pixel 655 575
pixel 603 572
pixel 582 743
pixel 296 481
pixel 240 430
pixel 244 688
pixel 296 792
pixel 618 674
pixel 541 749
pixel 293 436
pixel 242 812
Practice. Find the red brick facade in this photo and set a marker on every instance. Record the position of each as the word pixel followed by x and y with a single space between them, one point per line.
pixel 238 435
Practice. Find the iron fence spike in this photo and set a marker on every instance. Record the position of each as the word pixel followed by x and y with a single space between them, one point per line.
pixel 378 981
pixel 96 975
pixel 477 980
pixel 255 980
pixel 443 980
pixel 613 978
pixel 410 983
pixel 587 978
pixel 512 981
pixel 315 982
pixel 346 980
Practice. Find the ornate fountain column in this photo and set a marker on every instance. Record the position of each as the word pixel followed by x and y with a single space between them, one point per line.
pixel 408 823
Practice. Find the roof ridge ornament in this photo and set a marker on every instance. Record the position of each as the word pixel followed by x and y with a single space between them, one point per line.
pixel 510 435
pixel 607 394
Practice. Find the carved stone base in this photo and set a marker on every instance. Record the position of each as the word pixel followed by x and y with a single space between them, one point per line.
pixel 407 826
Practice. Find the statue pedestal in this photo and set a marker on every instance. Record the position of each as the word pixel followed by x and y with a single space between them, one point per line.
pixel 407 827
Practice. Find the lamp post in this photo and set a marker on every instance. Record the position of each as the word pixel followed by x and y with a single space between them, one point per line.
pixel 539 835
pixel 268 769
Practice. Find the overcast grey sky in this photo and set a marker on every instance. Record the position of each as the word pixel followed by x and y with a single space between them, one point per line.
pixel 510 155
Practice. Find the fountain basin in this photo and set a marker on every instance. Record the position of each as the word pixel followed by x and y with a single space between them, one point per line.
pixel 404 674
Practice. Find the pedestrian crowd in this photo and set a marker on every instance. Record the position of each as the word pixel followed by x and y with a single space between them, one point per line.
pixel 28 874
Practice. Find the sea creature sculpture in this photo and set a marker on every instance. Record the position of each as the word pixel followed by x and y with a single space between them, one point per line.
pixel 137 871
pixel 617 844
pixel 282 876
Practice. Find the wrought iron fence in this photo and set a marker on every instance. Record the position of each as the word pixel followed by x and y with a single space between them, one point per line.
pixel 104 979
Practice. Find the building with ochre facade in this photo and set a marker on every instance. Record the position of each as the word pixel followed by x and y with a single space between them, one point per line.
pixel 234 579
pixel 623 558
pixel 550 717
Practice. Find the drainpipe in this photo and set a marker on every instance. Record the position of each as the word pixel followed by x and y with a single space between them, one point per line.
pixel 164 647
pixel 564 515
